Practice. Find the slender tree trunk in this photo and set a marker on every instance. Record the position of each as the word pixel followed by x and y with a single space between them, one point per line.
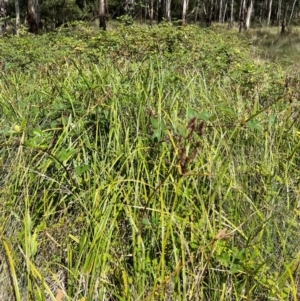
pixel 286 9
pixel 261 12
pixel 106 9
pixel 248 14
pixel 37 11
pixel 146 7
pixel 131 8
pixel 17 9
pixel 292 12
pixel 231 13
pixel 102 17
pixel 32 17
pixel 185 4
pixel 196 8
pixel 221 11
pixel 242 10
pixel 208 12
pixel 269 12
pixel 225 12
pixel 242 15
pixel 3 14
pixel 151 12
pixel 168 10
pixel 278 15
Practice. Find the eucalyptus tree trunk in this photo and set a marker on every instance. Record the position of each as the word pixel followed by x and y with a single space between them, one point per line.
pixel 248 14
pixel 168 10
pixel 221 11
pixel 292 13
pixel 196 9
pixel 225 11
pixel 32 17
pixel 242 10
pixel 242 16
pixel 3 15
pixel 37 11
pixel 17 11
pixel 231 13
pixel 151 12
pixel 283 22
pixel 102 17
pixel 278 15
pixel 269 12
pixel 185 5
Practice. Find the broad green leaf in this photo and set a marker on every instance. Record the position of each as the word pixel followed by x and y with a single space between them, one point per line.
pixel 253 124
pixel 204 115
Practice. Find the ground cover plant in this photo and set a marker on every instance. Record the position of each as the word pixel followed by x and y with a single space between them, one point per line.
pixel 147 164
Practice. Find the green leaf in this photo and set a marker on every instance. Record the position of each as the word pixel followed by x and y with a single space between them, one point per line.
pixel 190 113
pixel 228 112
pixel 225 259
pixel 253 124
pixel 81 169
pixel 146 221
pixel 194 246
pixel 272 120
pixel 66 154
pixel 204 115
pixel 154 122
pixel 157 134
pixel 37 133
pixel 236 268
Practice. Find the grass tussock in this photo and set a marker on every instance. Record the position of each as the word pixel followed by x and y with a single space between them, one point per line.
pixel 147 164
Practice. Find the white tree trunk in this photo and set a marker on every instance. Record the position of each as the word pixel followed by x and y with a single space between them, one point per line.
pixel 151 12
pixel 196 9
pixel 168 10
pixel 225 11
pixel 221 11
pixel 279 12
pixel 17 9
pixel 269 12
pixel 185 4
pixel 231 13
pixel 292 12
pixel 248 14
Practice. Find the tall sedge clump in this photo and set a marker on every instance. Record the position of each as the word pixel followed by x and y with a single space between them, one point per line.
pixel 194 128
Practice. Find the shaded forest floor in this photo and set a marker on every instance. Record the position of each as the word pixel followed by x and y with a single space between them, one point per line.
pixel 148 164
pixel 277 47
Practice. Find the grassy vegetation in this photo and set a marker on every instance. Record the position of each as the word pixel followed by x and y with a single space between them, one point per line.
pixel 147 164
pixel 277 47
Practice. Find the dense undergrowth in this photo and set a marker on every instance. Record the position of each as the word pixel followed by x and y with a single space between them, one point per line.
pixel 147 164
